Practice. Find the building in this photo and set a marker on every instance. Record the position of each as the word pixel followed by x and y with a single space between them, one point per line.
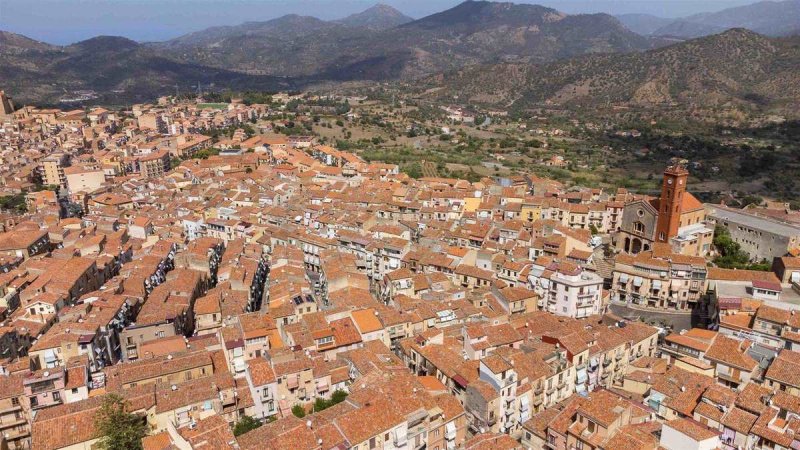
pixel 676 218
pixel 154 165
pixel 52 169
pixel 659 280
pixel 567 289
pixel 81 179
pixel 762 237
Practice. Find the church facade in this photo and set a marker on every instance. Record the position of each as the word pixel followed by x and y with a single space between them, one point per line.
pixel 675 218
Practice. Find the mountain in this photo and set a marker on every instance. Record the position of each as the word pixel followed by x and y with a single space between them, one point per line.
pixel 644 24
pixel 119 69
pixel 781 18
pixel 378 17
pixel 299 50
pixel 470 33
pixel 737 69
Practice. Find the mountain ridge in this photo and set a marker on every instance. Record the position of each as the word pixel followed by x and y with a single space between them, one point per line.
pixel 377 17
pixel 696 74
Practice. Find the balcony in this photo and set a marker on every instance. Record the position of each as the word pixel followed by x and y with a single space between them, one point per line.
pixel 12 422
pixel 15 434
pixel 538 390
pixel 618 356
pixel 10 409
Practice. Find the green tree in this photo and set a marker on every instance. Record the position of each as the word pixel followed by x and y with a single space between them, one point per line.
pixel 731 255
pixel 299 411
pixel 593 229
pixel 245 424
pixel 338 396
pixel 119 429
pixel 414 170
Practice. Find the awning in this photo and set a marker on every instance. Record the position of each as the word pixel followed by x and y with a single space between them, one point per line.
pixel 239 365
pixel 50 356
pixel 400 436
pixel 656 284
pixel 637 281
pixel 795 277
pixel 322 385
pixel 524 403
pixel 292 381
pixel 450 428
pixel 581 376
pixel 580 389
pixel 593 362
pixel 623 278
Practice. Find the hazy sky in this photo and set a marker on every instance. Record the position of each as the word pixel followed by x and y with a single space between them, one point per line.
pixel 67 21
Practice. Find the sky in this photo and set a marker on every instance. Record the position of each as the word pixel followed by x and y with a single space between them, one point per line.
pixel 67 21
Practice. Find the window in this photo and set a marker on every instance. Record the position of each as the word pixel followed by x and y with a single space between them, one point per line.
pixel 56 396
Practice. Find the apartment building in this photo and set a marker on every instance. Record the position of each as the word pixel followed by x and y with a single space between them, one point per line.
pixel 659 280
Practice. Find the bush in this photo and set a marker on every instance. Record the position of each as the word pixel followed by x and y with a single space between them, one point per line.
pixel 245 424
pixel 299 411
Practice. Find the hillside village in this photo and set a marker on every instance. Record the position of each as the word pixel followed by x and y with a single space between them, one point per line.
pixel 207 268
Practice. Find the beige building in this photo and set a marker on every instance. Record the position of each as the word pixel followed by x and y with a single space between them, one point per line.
pixel 80 179
pixel 154 165
pixel 658 279
pixel 52 169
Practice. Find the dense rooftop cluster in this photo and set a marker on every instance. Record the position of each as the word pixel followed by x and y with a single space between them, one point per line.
pixel 343 304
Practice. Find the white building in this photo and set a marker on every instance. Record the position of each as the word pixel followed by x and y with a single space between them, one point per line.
pixel 567 289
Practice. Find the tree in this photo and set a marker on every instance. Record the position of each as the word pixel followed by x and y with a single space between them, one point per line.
pixel 299 411
pixel 338 396
pixel 593 229
pixel 414 170
pixel 119 429
pixel 731 255
pixel 245 424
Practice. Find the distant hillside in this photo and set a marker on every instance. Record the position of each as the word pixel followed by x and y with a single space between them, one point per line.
pixel 644 24
pixel 472 32
pixel 738 68
pixel 378 17
pixel 118 68
pixel 769 18
pixel 506 52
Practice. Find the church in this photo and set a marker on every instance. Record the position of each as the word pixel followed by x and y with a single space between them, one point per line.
pixel 675 218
